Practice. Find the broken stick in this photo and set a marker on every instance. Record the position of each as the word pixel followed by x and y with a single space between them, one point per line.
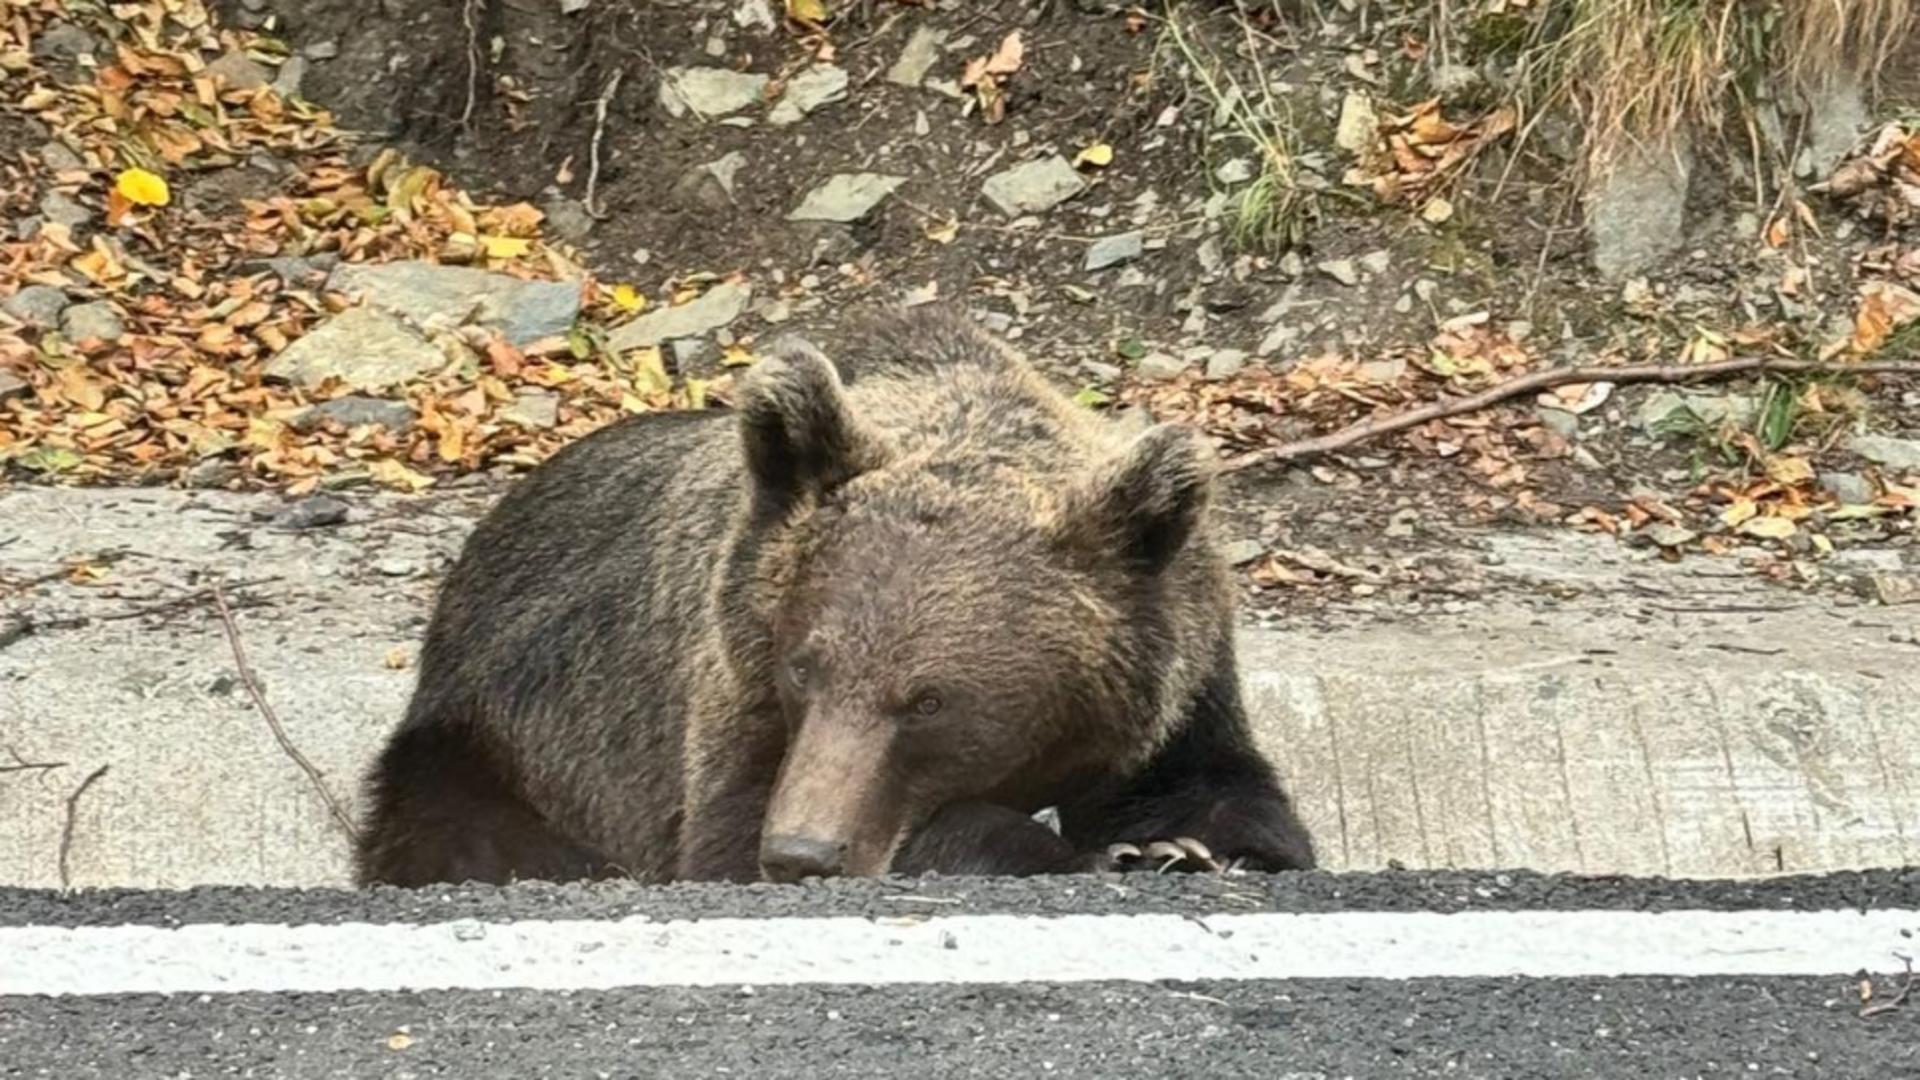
pixel 1376 426
pixel 66 827
pixel 273 719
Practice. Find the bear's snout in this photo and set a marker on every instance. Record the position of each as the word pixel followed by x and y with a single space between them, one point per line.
pixel 786 858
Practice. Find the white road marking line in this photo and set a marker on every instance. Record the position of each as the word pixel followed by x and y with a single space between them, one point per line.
pixel 981 949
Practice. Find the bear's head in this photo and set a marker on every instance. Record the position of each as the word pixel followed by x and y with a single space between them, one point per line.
pixel 969 603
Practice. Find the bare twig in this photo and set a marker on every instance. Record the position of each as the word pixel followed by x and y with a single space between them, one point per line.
pixel 66 827
pixel 469 17
pixel 21 764
pixel 1376 426
pixel 1897 1000
pixel 273 718
pixel 25 626
pixel 599 134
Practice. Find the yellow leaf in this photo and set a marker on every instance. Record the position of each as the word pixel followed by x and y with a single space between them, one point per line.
pixel 650 372
pixel 395 475
pixel 696 393
pixel 399 1040
pixel 737 356
pixel 397 658
pixel 629 299
pixel 812 11
pixel 505 247
pixel 1736 515
pixel 1789 470
pixel 1099 155
pixel 142 188
pixel 1768 528
pixel 943 232
pixel 1436 211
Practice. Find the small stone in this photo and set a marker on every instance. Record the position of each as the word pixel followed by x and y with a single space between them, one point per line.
pixel 301 272
pixel 695 354
pixel 323 50
pixel 1376 262
pixel 395 568
pixel 364 347
pixel 238 71
pixel 1114 250
pixel 61 209
pixel 37 305
pixel 712 310
pixel 1886 450
pixel 1341 270
pixel 535 409
pixel 1226 363
pixel 58 158
pixel 1160 367
pixel 709 92
pixel 1359 125
pixel 92 322
pixel 1671 536
pixel 1893 589
pixel 755 15
pixel 1242 552
pixel 355 411
pixel 1426 289
pixel 65 41
pixel 423 293
pixel 1234 171
pixel 1850 488
pixel 568 219
pixel 1662 412
pixel 845 197
pixel 1101 370
pixel 292 74
pixel 314 512
pixel 1559 421
pixel 821 84
pixel 1034 187
pixel 918 58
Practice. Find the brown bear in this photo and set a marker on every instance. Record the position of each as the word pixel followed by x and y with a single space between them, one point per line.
pixel 872 620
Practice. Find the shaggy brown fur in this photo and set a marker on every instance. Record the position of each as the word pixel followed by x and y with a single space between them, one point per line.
pixel 873 620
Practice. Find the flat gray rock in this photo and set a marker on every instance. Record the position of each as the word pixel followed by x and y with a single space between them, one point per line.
pixel 708 92
pixel 1889 451
pixel 536 409
pixel 714 309
pixel 238 71
pixel 356 411
pixel 1033 187
pixel 37 305
pixel 363 347
pixel 423 293
pixel 1114 250
pixel 918 58
pixel 845 197
pixel 96 321
pixel 61 209
pixel 10 384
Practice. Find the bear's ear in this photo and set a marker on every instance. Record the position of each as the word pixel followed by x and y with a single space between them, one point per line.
pixel 799 433
pixel 1143 505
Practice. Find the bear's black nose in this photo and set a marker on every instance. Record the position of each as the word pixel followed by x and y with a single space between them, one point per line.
pixel 790 858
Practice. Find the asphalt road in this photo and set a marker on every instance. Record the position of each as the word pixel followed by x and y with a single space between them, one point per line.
pixel 1287 978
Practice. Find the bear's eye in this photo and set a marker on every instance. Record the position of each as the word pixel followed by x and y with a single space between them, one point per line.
pixel 799 672
pixel 927 704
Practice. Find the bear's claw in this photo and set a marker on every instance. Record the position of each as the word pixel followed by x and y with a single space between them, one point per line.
pixel 1163 855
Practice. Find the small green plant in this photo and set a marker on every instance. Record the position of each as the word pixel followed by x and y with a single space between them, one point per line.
pixel 1272 210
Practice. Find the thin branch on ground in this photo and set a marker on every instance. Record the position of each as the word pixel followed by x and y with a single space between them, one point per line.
pixel 600 106
pixel 1377 426
pixel 273 719
pixel 21 764
pixel 66 827
pixel 1898 999
pixel 25 626
pixel 469 17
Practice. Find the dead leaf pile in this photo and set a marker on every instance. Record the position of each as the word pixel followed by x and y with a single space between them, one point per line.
pixel 1884 181
pixel 987 77
pixel 1413 158
pixel 180 392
